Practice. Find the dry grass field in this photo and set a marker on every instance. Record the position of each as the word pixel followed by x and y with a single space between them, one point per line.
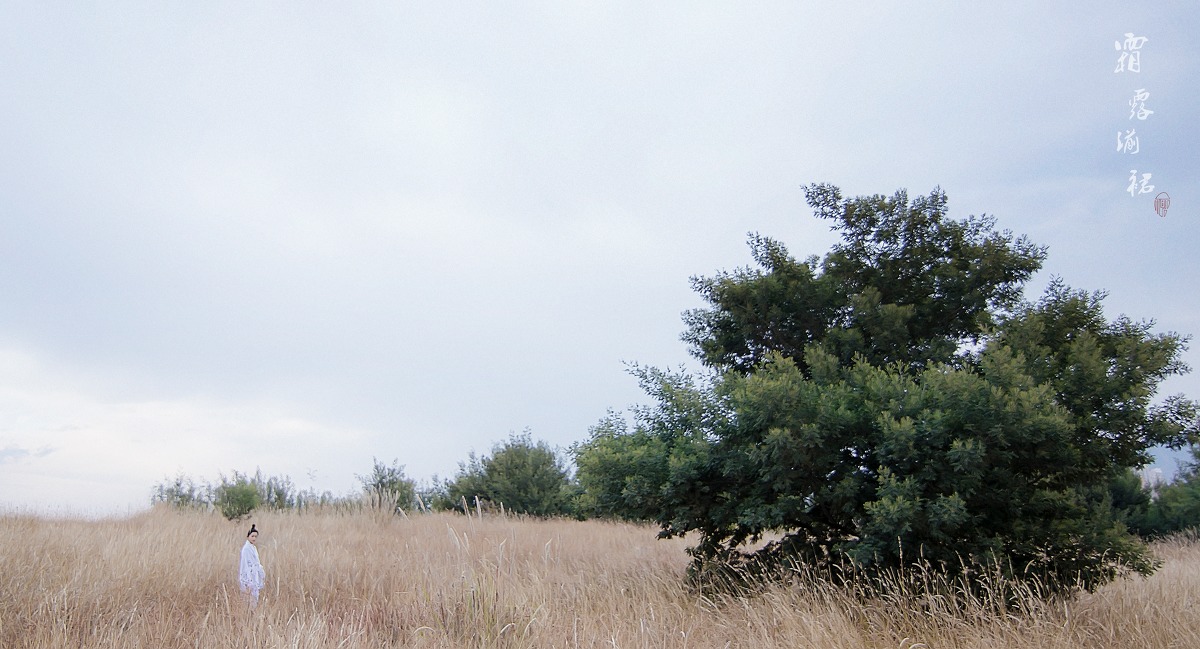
pixel 167 579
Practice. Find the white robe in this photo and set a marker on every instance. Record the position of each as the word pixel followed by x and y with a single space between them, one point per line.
pixel 251 575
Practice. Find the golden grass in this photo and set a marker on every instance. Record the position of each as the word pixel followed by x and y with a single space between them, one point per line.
pixel 167 579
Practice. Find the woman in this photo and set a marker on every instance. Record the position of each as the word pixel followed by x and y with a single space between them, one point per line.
pixel 251 575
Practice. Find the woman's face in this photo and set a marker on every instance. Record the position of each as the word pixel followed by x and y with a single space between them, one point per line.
pixel 253 538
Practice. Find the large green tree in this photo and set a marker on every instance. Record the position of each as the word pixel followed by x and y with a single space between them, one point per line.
pixel 897 401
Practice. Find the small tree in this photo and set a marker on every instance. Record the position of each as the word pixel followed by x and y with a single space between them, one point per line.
pixel 389 485
pixel 523 476
pixel 237 497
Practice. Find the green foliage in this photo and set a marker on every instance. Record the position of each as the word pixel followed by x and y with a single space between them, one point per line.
pixel 236 498
pixel 646 473
pixel 1176 509
pixel 523 476
pixel 1130 501
pixel 898 403
pixel 1176 505
pixel 389 485
pixel 620 473
pixel 905 285
pixel 1105 374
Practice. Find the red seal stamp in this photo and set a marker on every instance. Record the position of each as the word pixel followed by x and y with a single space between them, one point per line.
pixel 1161 203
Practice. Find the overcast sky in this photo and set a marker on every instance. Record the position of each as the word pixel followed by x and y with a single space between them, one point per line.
pixel 299 236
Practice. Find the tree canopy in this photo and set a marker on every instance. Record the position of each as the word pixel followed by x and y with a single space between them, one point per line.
pixel 523 476
pixel 906 284
pixel 897 401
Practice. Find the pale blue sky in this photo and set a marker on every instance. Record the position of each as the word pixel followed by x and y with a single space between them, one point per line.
pixel 295 236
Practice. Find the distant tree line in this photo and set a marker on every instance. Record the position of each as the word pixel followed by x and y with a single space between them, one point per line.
pixel 237 494
pixel 520 475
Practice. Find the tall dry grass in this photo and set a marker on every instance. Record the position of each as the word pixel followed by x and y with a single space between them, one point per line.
pixel 167 579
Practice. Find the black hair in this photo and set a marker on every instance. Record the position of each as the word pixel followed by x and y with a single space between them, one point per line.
pixel 252 530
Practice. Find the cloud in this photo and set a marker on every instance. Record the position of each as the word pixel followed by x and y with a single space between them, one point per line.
pixel 14 454
pixel 73 448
